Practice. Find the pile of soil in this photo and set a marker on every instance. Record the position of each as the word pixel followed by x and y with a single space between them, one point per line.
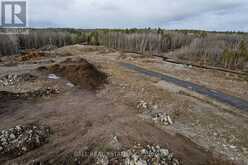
pixel 79 72
pixel 31 55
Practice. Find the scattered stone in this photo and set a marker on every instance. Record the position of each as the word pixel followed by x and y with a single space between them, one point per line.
pixel 148 155
pixel 13 79
pixel 158 117
pixel 162 118
pixel 142 104
pixel 32 94
pixel 21 139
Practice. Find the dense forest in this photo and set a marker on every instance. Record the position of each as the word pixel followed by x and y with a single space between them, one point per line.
pixel 227 50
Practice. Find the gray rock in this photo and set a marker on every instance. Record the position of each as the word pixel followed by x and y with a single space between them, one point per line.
pixel 143 151
pixel 135 158
pixel 24 149
pixel 125 154
pixel 18 128
pixel 21 139
pixel 12 136
pixel 103 160
pixel 141 162
pixel 3 140
pixel 164 152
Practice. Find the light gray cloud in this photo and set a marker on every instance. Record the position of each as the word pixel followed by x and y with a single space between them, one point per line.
pixel 180 14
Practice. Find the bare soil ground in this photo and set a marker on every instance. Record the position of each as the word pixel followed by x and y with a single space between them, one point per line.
pixel 92 104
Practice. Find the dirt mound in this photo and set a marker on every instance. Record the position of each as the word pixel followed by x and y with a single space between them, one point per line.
pixel 79 72
pixel 30 55
pixel 22 139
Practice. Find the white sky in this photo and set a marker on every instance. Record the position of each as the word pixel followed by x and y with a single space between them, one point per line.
pixel 173 14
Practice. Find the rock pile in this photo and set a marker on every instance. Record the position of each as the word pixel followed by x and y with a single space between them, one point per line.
pixel 4 95
pixel 143 106
pixel 157 117
pixel 21 139
pixel 42 92
pixel 163 118
pixel 13 79
pixel 150 155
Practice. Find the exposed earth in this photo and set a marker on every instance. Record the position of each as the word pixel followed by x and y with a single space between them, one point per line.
pixel 79 105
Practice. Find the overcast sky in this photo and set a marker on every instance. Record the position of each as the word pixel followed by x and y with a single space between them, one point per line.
pixel 231 15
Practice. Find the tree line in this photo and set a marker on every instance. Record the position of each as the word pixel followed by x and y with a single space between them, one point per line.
pixel 228 50
pixel 225 49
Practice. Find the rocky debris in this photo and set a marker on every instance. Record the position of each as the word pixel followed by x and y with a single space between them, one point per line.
pixel 4 95
pixel 22 139
pixel 150 110
pixel 42 92
pixel 13 79
pixel 138 155
pixel 143 106
pixel 163 118
pixel 149 155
